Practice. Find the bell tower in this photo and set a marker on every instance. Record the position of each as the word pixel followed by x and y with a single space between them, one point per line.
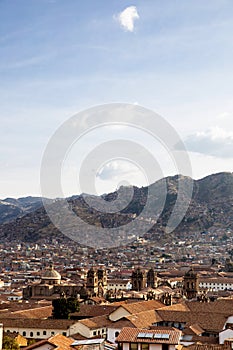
pixel 92 281
pixel 97 281
pixel 150 279
pixel 138 279
pixel 191 284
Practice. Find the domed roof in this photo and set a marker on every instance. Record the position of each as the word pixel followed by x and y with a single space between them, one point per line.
pixel 51 274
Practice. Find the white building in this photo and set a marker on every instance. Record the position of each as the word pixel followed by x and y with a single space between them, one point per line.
pixel 40 328
pixel 216 284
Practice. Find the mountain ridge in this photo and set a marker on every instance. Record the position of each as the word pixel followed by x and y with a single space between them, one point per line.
pixel 211 208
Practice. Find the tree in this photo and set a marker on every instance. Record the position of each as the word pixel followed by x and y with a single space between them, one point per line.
pixel 63 306
pixel 9 343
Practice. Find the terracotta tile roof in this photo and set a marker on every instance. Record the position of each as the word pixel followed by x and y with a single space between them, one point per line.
pixel 130 335
pixel 177 307
pixel 37 344
pixel 209 321
pixel 39 312
pixel 209 316
pixel 174 316
pixel 220 306
pixel 144 319
pixel 37 323
pixel 96 322
pixel 58 341
pixel 142 306
pixel 193 330
pixel 123 322
pixel 93 310
pixel 62 342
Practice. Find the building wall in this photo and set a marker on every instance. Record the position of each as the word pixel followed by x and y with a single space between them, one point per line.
pixel 118 314
pixel 119 286
pixel 36 333
pixel 126 346
pixel 155 347
pixel 215 286
pixel 83 330
pixel 111 337
pixel 226 334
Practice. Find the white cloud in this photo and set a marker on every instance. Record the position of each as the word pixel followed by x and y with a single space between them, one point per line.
pixel 215 141
pixel 115 169
pixel 127 17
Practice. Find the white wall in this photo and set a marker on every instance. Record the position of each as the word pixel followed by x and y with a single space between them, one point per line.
pixel 229 320
pixel 125 346
pixel 49 332
pixel 111 334
pixel 83 330
pixel 227 333
pixel 118 314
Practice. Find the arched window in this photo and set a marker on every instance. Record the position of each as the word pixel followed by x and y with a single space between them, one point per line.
pixel 116 334
pixel 31 334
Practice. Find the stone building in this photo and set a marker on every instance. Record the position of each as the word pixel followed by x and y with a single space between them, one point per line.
pixel 141 279
pixel 97 282
pixel 151 279
pixel 51 286
pixel 191 284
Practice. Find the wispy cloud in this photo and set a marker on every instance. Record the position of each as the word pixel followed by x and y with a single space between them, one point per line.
pixel 127 17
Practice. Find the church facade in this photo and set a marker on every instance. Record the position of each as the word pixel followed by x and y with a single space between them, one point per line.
pixel 51 286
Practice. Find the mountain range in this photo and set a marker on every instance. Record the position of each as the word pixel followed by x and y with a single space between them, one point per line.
pixel 210 208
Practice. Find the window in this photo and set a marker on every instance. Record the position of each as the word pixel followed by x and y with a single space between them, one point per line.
pixel 31 334
pixel 133 346
pixel 24 334
pixel 44 332
pixel 116 334
pixel 144 346
pixel 164 346
pixel 37 333
pixel 64 333
pixel 102 330
pixel 52 333
pixel 94 333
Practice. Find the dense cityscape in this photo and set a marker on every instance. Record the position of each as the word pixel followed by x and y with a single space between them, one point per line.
pixel 116 186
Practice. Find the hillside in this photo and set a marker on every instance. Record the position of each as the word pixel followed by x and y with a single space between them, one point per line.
pixel 211 208
pixel 11 208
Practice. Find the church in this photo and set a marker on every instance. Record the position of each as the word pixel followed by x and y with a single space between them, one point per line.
pixel 51 286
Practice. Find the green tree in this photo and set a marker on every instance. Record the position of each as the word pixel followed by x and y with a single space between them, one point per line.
pixel 63 306
pixel 9 343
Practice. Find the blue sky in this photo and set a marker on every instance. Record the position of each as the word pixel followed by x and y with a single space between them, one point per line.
pixel 58 57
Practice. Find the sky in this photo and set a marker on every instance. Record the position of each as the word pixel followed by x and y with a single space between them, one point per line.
pixel 59 57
